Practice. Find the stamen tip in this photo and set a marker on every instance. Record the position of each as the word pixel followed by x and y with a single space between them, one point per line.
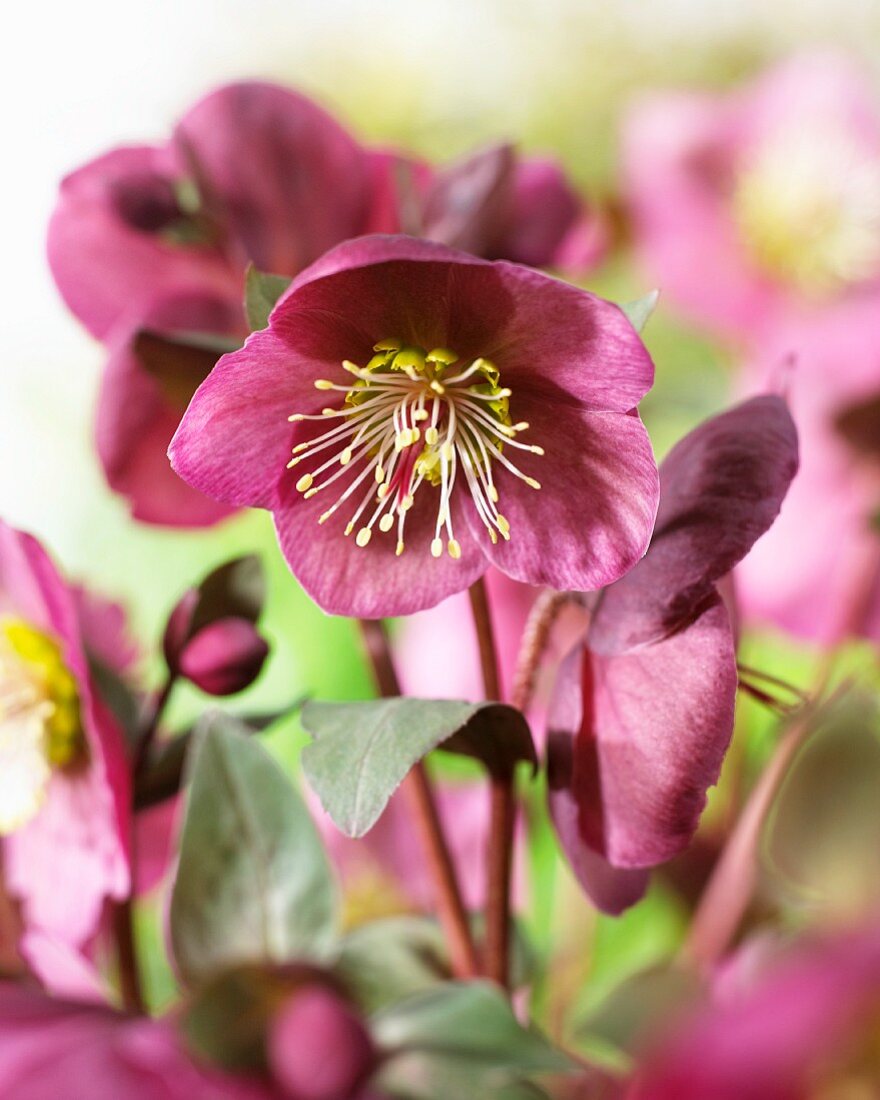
pixel 436 547
pixel 386 522
pixel 454 549
pixel 363 536
pixel 304 482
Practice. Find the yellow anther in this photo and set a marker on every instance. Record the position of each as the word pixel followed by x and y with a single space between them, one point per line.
pixel 325 516
pixel 379 474
pixel 386 522
pixel 446 356
pixel 436 547
pixel 345 457
pixel 492 535
pixel 294 462
pixel 363 536
pixel 309 494
pixel 431 436
pixel 534 484
pixel 505 392
pixel 493 494
pixel 536 450
pixel 295 417
pixel 300 447
pixel 352 368
pixel 420 414
pixel 446 451
pixel 503 525
pixel 438 388
pixel 414 435
pixel 522 426
pixel 454 549
pixel 349 527
pixel 304 483
pixel 383 491
pixel 399 550
pixel 406 504
pixel 328 411
pixel 323 384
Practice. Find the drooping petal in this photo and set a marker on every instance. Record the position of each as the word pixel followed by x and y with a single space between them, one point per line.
pixel 591 519
pixel 108 247
pixel 280 173
pixel 721 488
pixel 612 889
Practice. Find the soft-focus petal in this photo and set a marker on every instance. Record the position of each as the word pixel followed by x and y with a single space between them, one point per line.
pixel 109 264
pixel 721 488
pixel 224 657
pixel 468 202
pixel 277 170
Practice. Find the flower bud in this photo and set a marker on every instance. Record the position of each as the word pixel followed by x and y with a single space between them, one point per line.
pixel 318 1048
pixel 224 657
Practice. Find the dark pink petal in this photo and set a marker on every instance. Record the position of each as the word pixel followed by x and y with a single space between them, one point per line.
pixel 109 256
pixel 64 971
pixel 138 412
pixel 104 628
pixel 591 519
pixel 372 582
pixel 544 335
pixel 224 657
pixel 721 488
pixel 468 204
pixel 155 829
pixel 318 1048
pixel 397 188
pixel 544 213
pixel 277 171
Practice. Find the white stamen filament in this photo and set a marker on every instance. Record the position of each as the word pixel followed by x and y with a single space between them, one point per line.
pixel 403 424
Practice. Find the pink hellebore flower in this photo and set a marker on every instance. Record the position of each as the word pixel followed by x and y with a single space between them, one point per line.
pixel 805 1029
pixel 494 203
pixel 643 710
pixel 158 237
pixel 816 572
pixel 763 203
pixel 424 360
pixel 64 784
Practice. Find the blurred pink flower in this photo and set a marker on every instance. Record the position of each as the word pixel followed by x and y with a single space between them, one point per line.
pixel 761 204
pixel 804 1026
pixel 493 203
pixel 64 783
pixel 643 710
pixel 51 1049
pixel 439 458
pixel 815 573
pixel 156 239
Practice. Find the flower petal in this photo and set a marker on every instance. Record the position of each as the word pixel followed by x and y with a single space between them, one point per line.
pixel 275 168
pixel 721 488
pixel 591 519
pixel 106 265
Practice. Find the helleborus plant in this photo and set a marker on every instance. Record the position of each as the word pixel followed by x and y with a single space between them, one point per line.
pixel 413 415
pixel 644 707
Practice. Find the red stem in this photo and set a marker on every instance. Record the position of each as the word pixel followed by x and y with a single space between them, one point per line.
pixel 423 807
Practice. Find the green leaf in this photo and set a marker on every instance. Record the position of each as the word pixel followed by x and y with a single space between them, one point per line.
pixel 639 311
pixel 362 751
pixel 261 292
pixel 471 1021
pixel 386 960
pixel 253 883
pixel 418 1076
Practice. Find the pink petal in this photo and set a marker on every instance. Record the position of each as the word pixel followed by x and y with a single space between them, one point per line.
pixel 721 488
pixel 591 519
pixel 277 170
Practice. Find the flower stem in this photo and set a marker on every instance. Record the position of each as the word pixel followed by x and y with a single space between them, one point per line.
pixel 422 805
pixel 536 634
pixel 149 724
pixel 129 972
pixel 499 856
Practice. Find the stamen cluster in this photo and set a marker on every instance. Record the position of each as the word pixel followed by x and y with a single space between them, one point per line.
pixel 412 417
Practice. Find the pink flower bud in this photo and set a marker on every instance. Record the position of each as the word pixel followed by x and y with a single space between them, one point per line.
pixel 318 1048
pixel 224 657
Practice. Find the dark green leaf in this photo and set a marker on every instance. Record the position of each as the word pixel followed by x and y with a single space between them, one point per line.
pixel 261 292
pixel 253 883
pixel 471 1021
pixel 362 751
pixel 418 1076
